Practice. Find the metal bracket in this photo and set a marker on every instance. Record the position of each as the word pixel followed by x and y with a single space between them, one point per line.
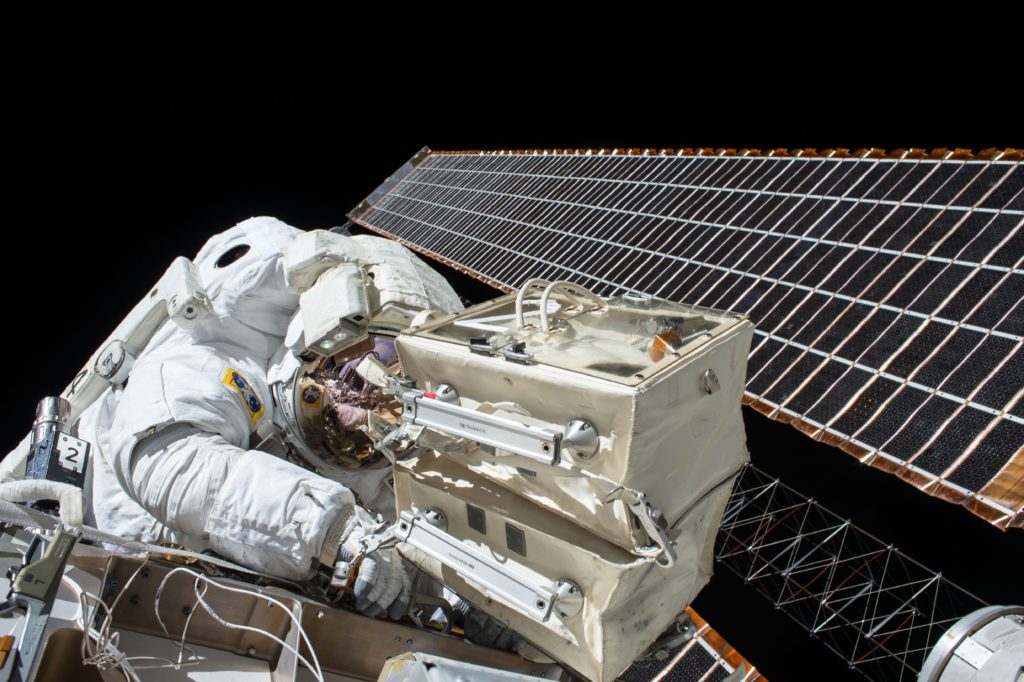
pixel 34 588
pixel 650 519
pixel 638 298
pixel 493 578
pixel 540 444
pixel 680 632
pixel 481 346
pixel 517 353
pixel 398 385
pixel 381 537
pixel 423 604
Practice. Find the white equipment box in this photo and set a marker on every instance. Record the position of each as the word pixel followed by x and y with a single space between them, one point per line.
pixel 580 455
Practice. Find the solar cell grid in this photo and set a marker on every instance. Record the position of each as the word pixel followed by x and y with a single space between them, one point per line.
pixel 892 414
pixel 693 668
pixel 886 290
pixel 706 656
pixel 976 471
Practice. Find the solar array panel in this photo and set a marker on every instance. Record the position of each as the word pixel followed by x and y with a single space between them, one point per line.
pixel 705 657
pixel 886 289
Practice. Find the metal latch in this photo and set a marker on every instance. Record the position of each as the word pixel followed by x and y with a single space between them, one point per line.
pixel 481 346
pixel 517 353
pixel 650 519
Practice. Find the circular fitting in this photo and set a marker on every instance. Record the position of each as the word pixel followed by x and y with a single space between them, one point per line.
pixel 110 360
pixel 52 410
pixel 581 439
pixel 709 381
pixel 446 393
pixel 568 598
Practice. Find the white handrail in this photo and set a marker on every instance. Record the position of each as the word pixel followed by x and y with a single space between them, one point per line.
pixel 535 283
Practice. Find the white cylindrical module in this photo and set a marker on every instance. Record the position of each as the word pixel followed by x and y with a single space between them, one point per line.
pixel 984 646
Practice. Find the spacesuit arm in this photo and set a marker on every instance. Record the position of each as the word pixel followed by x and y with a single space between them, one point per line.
pixel 249 506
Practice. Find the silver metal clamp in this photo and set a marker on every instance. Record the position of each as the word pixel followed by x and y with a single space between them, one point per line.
pixel 650 520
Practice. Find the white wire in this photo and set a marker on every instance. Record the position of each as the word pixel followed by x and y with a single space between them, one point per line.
pixel 103 653
pixel 108 645
pixel 200 587
pixel 99 645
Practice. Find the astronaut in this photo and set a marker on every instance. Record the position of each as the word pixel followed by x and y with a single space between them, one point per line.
pixel 194 448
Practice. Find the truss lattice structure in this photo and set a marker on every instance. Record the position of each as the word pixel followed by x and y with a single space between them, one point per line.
pixel 880 610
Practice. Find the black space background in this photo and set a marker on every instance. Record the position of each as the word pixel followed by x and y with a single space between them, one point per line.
pixel 120 157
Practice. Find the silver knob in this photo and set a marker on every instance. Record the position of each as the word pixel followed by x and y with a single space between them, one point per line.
pixel 568 598
pixel 710 381
pixel 446 393
pixel 581 439
pixel 436 518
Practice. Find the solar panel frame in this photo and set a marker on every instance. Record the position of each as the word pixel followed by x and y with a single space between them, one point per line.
pixel 879 284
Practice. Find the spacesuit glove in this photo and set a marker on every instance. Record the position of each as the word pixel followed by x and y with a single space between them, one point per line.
pixel 382 583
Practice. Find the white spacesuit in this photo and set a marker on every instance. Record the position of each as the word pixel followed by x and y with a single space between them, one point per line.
pixel 177 449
